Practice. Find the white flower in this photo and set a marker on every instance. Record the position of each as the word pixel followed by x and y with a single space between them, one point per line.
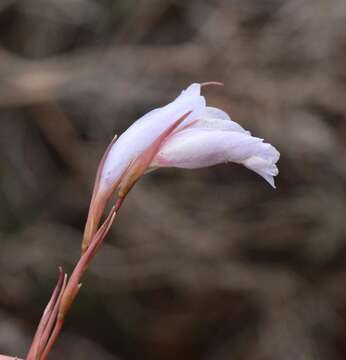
pixel 185 133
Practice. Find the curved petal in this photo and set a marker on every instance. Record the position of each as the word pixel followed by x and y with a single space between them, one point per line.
pixel 135 141
pixel 217 113
pixel 145 130
pixel 214 118
pixel 196 148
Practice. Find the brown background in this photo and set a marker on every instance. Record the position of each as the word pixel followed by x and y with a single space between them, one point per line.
pixel 207 264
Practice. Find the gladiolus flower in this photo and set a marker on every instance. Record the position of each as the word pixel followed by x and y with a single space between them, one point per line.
pixel 186 134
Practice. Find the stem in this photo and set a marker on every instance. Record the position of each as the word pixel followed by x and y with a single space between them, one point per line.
pixel 47 333
pixel 69 293
pixel 47 316
pixel 52 339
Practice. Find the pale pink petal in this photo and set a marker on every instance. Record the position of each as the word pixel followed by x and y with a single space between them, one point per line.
pixel 264 167
pixel 196 148
pixel 214 118
pixel 145 130
pixel 215 113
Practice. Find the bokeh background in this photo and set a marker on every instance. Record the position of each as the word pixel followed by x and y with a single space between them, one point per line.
pixel 208 264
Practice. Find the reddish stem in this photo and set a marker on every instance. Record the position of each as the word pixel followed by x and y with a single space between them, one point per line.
pixel 47 315
pixel 71 290
pixel 50 325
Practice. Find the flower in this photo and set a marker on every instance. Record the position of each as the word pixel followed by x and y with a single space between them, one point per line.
pixel 186 134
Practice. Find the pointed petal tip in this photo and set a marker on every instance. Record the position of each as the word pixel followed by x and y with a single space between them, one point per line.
pixel 269 179
pixel 272 183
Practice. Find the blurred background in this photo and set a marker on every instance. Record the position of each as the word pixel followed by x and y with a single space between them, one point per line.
pixel 209 264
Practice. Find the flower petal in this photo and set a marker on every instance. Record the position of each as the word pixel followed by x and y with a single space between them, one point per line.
pixel 214 118
pixel 196 148
pixel 217 113
pixel 145 130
